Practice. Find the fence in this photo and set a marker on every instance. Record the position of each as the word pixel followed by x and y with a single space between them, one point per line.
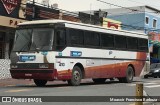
pixel 4 69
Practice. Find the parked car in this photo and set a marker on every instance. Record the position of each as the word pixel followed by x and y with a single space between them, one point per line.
pixel 154 60
pixel 154 71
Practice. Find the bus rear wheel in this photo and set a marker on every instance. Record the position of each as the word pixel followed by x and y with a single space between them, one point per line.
pixel 76 76
pixel 40 83
pixel 129 76
pixel 99 80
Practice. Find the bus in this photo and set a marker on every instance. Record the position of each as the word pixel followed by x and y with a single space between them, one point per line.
pixel 47 50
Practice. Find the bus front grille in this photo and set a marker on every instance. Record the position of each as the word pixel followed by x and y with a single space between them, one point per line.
pixel 25 65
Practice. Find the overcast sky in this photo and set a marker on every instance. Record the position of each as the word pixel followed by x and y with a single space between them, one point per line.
pixel 81 5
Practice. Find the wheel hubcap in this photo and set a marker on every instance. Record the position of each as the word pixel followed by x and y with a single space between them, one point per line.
pixel 76 76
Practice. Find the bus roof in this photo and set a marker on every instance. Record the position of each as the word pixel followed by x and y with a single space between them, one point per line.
pixel 50 21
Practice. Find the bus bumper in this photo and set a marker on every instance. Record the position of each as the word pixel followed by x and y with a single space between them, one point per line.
pixel 43 74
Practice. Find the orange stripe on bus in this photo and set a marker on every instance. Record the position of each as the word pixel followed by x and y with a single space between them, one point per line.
pixel 108 71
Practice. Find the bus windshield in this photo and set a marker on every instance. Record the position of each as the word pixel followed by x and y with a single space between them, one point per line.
pixel 38 39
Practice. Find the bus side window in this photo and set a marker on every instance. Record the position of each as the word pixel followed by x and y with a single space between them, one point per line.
pixel 132 43
pixel 120 42
pixel 92 39
pixel 143 44
pixel 60 39
pixel 76 37
pixel 107 40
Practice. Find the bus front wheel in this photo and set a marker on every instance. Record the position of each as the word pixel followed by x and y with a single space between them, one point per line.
pixel 40 83
pixel 76 76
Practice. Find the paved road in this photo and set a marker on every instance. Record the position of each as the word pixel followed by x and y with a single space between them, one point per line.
pixel 87 88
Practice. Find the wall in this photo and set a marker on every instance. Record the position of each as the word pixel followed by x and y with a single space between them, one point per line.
pixel 150 25
pixel 133 21
pixel 5 64
pixel 4 60
pixel 4 68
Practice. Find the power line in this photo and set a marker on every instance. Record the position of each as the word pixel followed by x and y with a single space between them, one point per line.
pixel 53 8
pixel 141 3
pixel 122 25
pixel 133 10
pixel 117 5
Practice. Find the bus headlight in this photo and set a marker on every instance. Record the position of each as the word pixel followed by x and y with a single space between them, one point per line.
pixel 43 66
pixel 14 66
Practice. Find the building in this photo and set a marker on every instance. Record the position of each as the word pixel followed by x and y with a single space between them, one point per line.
pixel 143 19
pixel 13 12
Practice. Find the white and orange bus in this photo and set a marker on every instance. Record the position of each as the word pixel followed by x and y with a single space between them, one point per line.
pixel 47 50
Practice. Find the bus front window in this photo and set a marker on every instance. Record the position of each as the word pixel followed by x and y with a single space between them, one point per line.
pixel 22 40
pixel 36 39
pixel 42 39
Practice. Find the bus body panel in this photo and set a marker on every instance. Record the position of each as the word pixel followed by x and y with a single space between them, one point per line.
pixel 99 65
pixel 97 62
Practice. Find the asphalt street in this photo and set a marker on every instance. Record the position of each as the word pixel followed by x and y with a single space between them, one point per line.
pixel 87 88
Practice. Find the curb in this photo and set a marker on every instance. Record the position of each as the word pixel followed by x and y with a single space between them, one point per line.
pixel 14 82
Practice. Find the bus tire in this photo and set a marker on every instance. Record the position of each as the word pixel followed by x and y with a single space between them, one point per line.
pixel 76 76
pixel 129 75
pixel 40 83
pixel 99 80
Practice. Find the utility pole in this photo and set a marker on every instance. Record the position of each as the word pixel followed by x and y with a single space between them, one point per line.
pixel 90 11
pixel 33 2
pixel 33 14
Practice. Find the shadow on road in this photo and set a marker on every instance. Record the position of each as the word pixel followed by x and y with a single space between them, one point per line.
pixel 64 84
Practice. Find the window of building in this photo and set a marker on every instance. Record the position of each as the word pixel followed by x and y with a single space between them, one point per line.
pixel 120 42
pixel 107 40
pixel 76 37
pixel 2 45
pixel 92 39
pixel 154 23
pixel 147 20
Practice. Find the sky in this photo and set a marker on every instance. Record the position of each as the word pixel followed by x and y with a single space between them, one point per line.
pixel 82 5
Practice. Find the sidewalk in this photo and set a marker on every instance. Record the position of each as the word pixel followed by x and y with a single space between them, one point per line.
pixel 24 82
pixel 14 82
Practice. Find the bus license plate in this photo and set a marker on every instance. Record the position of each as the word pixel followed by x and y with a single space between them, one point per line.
pixel 28 74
